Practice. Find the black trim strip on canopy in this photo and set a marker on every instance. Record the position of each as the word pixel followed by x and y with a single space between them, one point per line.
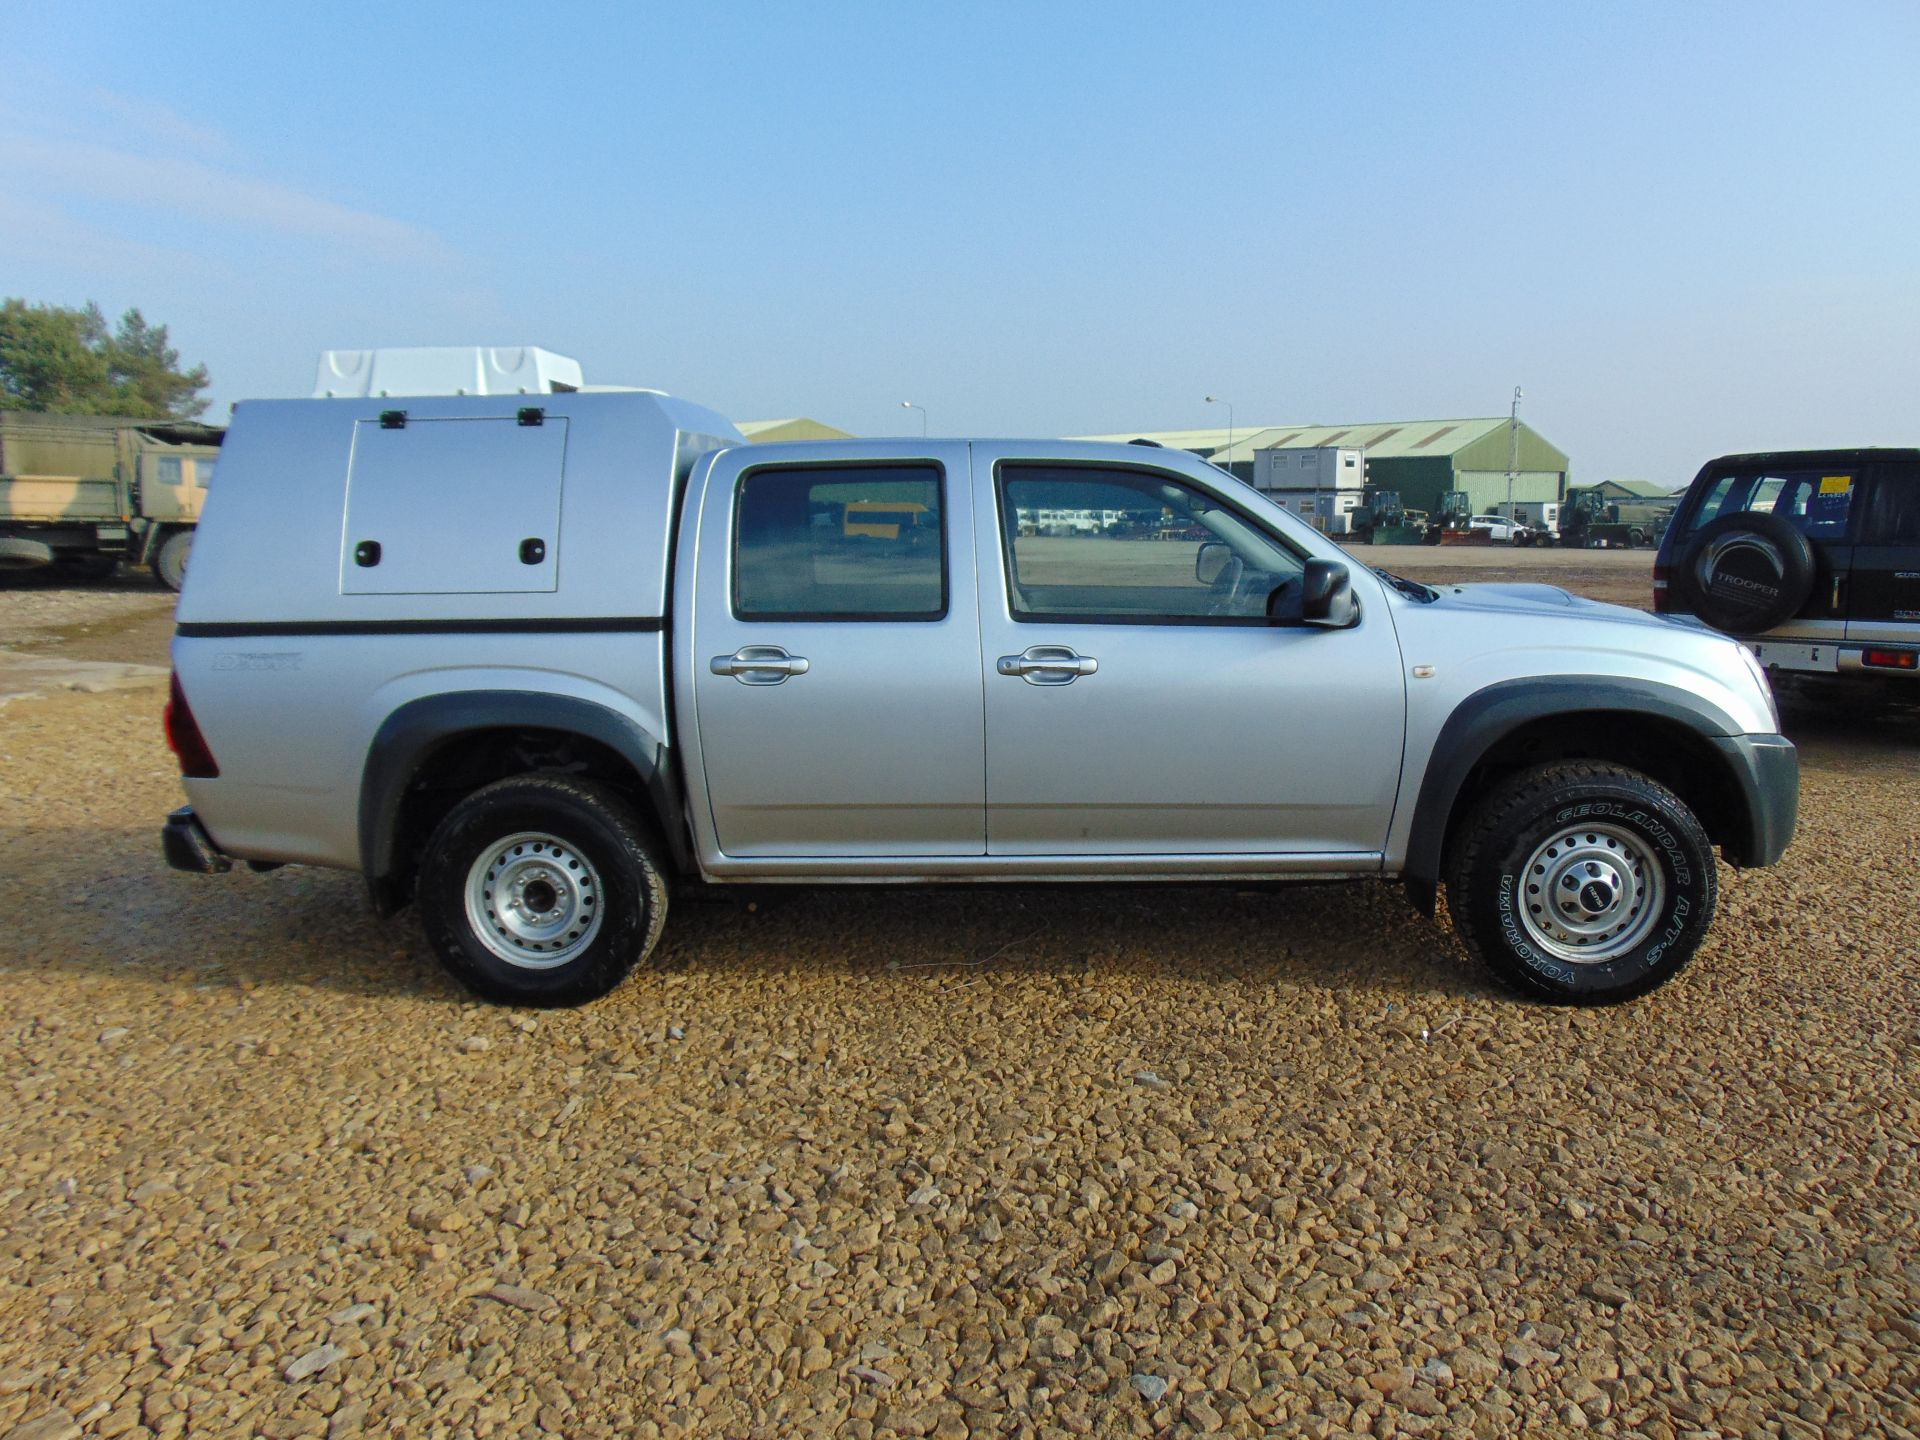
pixel 241 629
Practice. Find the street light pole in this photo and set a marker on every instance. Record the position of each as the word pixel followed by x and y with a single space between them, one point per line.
pixel 1216 400
pixel 909 405
pixel 1513 452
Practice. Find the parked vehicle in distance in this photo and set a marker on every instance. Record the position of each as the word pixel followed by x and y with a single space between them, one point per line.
pixel 1812 559
pixel 1591 521
pixel 400 653
pixel 1503 531
pixel 82 493
pixel 1538 520
pixel 884 519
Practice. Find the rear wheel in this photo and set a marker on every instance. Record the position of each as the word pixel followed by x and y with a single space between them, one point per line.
pixel 19 554
pixel 170 560
pixel 541 890
pixel 1582 883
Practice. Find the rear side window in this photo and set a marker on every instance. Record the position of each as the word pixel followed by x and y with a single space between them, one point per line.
pixel 1895 515
pixel 857 542
pixel 1818 501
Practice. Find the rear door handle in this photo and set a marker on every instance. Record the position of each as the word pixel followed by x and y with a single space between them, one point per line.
pixel 1047 665
pixel 758 665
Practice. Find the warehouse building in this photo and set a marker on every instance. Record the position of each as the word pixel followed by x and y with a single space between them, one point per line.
pixel 1205 443
pixel 1424 459
pixel 765 432
pixel 1635 492
pixel 1421 459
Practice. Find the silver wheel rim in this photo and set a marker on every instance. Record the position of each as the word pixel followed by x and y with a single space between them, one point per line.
pixel 534 900
pixel 1592 893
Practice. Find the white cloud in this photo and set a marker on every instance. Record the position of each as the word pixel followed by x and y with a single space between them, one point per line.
pixel 42 234
pixel 161 126
pixel 189 187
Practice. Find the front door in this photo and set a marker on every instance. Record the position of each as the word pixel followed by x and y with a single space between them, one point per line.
pixel 1139 699
pixel 836 651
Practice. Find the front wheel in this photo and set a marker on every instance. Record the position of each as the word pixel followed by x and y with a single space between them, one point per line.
pixel 1582 883
pixel 541 890
pixel 170 560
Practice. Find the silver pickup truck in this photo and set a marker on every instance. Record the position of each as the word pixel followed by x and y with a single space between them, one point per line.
pixel 536 667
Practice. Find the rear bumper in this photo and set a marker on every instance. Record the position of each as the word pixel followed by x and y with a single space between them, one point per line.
pixel 189 847
pixel 1767 769
pixel 1843 660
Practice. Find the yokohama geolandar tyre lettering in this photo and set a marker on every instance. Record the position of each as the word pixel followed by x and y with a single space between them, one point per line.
pixel 541 890
pixel 1582 883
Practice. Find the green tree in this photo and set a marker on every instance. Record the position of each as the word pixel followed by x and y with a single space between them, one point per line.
pixel 53 357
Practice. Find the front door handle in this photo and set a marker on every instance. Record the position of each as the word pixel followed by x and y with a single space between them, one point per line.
pixel 758 665
pixel 1047 665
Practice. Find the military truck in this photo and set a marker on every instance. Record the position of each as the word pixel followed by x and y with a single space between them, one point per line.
pixel 1591 521
pixel 1383 520
pixel 82 493
pixel 1452 522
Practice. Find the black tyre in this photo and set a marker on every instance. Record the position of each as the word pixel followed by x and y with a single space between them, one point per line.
pixel 1745 573
pixel 18 554
pixel 1582 883
pixel 541 890
pixel 170 560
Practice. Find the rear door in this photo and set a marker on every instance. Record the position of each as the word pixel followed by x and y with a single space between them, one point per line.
pixel 836 654
pixel 1885 601
pixel 1139 701
pixel 1817 497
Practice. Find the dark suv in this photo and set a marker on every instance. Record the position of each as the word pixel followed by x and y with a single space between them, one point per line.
pixel 1811 557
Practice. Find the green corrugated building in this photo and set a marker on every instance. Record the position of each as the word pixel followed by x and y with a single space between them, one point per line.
pixel 1422 459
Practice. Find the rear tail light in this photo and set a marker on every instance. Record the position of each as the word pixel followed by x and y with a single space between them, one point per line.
pixel 1890 659
pixel 184 737
pixel 1660 576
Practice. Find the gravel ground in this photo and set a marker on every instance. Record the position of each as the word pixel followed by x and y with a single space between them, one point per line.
pixel 1620 577
pixel 1150 1162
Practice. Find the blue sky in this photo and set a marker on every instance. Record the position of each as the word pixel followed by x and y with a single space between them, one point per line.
pixel 1684 228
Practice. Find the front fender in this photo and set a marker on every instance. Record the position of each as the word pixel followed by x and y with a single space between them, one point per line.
pixel 1489 715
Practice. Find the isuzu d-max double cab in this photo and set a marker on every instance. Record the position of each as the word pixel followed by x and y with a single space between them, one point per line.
pixel 534 667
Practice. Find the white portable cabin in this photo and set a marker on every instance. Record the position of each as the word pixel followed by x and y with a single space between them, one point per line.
pixel 1323 484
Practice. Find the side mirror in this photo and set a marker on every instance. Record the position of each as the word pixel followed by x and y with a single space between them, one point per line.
pixel 1326 596
pixel 1210 561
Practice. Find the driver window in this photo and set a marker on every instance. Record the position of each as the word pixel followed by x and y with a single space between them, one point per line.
pixel 1104 544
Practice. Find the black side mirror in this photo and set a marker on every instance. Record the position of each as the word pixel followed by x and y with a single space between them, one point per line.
pixel 1210 561
pixel 1326 596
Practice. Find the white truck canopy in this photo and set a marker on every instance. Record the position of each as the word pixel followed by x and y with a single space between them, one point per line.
pixel 446 370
